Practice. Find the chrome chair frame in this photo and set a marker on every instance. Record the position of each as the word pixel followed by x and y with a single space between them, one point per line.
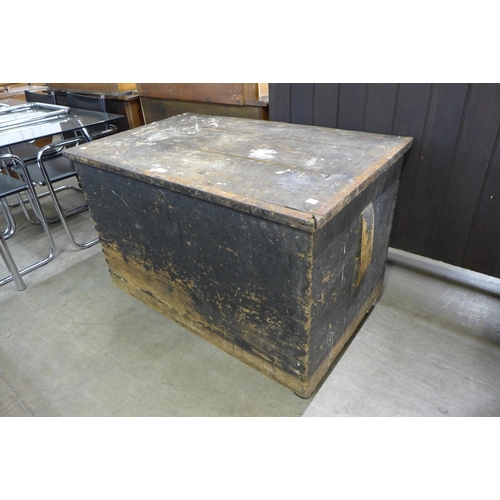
pixel 54 151
pixel 15 186
pixel 46 97
pixel 93 103
pixel 52 167
pixel 11 223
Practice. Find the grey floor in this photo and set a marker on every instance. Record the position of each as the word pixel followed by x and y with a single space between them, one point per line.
pixel 72 344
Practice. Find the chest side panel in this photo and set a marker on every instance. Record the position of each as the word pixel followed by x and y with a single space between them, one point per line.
pixel 349 263
pixel 217 271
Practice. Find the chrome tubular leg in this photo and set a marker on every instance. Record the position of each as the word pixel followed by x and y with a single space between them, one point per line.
pixel 11 223
pixel 32 196
pixel 25 211
pixel 37 208
pixel 64 223
pixel 15 275
pixel 48 235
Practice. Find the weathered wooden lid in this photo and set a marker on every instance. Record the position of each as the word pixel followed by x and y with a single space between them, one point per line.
pixel 295 174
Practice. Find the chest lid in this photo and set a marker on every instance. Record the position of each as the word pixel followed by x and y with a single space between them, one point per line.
pixel 294 174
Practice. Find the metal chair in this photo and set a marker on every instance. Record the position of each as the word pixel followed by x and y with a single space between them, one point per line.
pixel 45 97
pixel 12 186
pixel 92 103
pixel 52 167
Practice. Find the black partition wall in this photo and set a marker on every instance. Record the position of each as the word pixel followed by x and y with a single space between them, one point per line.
pixel 449 199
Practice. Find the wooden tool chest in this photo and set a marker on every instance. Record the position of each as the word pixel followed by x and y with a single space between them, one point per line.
pixel 267 239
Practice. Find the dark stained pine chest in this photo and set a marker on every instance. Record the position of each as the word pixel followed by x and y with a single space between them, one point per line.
pixel 267 239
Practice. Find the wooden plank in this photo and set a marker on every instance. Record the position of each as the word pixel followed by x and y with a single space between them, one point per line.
pixel 155 109
pixel 442 128
pixel 325 104
pixel 474 154
pixel 409 119
pixel 251 93
pixel 483 249
pixel 105 88
pixel 279 102
pixel 131 108
pixel 222 93
pixel 302 95
pixel 351 110
pixel 380 106
pixel 16 91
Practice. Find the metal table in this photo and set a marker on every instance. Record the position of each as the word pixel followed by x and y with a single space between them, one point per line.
pixel 22 122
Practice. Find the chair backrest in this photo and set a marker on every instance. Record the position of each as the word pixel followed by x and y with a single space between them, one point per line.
pixel 12 184
pixel 45 97
pixel 84 101
pixel 61 98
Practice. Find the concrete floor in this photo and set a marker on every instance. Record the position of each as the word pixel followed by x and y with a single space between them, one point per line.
pixel 72 344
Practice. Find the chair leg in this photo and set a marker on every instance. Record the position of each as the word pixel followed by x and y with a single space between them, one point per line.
pixel 11 223
pixel 65 224
pixel 72 211
pixel 39 213
pixel 22 203
pixel 11 265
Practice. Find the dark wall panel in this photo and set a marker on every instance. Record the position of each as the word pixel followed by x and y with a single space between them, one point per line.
pixel 325 104
pixel 279 101
pixel 449 203
pixel 301 103
pixel 483 250
pixel 381 101
pixel 351 106
pixel 409 120
pixel 468 173
pixel 442 127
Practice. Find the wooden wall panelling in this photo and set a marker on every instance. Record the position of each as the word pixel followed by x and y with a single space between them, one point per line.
pixel 105 88
pixel 351 106
pixel 483 249
pixel 437 153
pixel 380 106
pixel 301 110
pixel 279 102
pixel 131 108
pixel 16 90
pixel 163 100
pixel 469 172
pixel 325 105
pixel 221 93
pixel 324 97
pixel 409 120
pixel 448 205
pixel 158 109
pixel 250 93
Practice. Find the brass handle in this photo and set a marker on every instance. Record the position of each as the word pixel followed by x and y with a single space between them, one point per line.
pixel 367 233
